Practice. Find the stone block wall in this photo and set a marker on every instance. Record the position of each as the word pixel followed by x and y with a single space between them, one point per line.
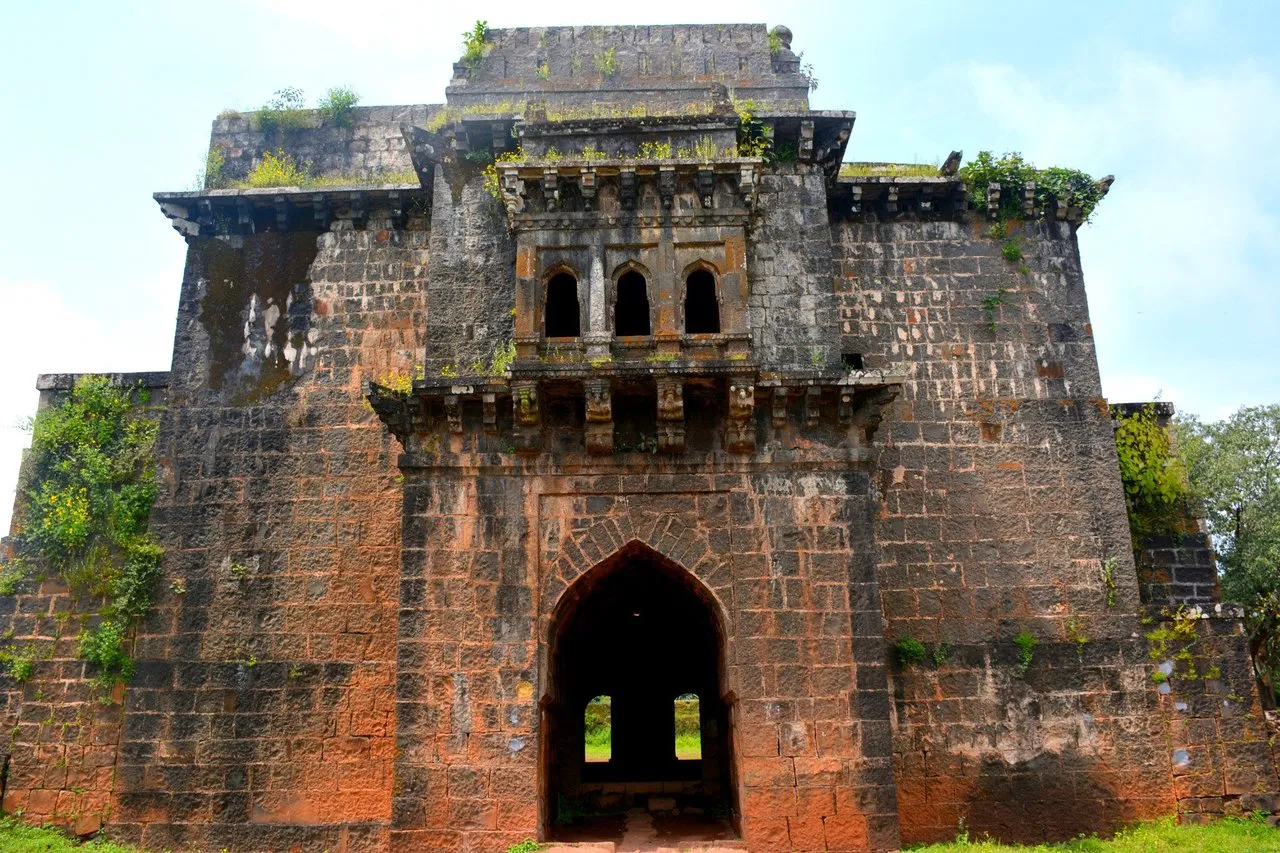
pixel 372 146
pixel 262 713
pixel 789 264
pixel 1000 510
pixel 490 549
pixel 1220 746
pixel 59 760
pixel 1178 570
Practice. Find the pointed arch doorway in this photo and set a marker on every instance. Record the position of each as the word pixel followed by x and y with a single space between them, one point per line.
pixel 636 713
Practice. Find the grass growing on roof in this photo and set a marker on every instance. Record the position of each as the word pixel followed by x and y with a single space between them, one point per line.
pixel 888 170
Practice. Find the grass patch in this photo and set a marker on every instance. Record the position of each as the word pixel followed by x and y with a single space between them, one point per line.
pixel 19 838
pixel 689 747
pixel 281 170
pixel 1230 835
pixel 888 170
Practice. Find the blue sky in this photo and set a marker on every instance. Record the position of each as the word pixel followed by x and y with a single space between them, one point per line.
pixel 104 103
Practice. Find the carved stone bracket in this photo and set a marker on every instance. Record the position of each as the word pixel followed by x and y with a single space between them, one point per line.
pixel 587 183
pixel 812 405
pixel 524 403
pixel 670 415
pixel 779 407
pixel 667 185
pixel 490 404
pixel 993 200
pixel 706 187
pixel 806 140
pixel 599 416
pixel 551 189
pixel 453 411
pixel 740 432
pixel 627 188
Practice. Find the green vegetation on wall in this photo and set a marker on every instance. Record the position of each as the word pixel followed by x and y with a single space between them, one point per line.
pixel 1233 467
pixel 473 45
pixel 339 105
pixel 1013 173
pixel 286 111
pixel 1155 480
pixel 85 512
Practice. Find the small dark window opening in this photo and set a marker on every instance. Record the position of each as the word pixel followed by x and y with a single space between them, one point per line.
pixel 631 310
pixel 701 309
pixel 563 317
pixel 851 360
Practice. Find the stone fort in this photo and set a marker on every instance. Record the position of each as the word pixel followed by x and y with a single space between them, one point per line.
pixel 614 399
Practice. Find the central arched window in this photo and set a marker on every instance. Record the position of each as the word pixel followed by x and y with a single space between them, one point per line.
pixel 701 308
pixel 631 308
pixel 563 316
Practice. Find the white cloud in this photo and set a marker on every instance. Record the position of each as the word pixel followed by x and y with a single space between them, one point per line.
pixel 1180 259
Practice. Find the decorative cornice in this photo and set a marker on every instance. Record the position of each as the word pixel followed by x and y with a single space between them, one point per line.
pixel 213 212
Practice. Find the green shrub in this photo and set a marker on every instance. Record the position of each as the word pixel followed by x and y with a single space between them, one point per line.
pixel 473 45
pixel 1154 478
pixel 90 494
pixel 286 111
pixel 1026 643
pixel 339 106
pixel 214 177
pixel 277 170
pixel 1013 173
pixel 908 651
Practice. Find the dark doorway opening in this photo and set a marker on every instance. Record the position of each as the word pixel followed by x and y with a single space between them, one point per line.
pixel 631 308
pixel 646 634
pixel 563 315
pixel 701 307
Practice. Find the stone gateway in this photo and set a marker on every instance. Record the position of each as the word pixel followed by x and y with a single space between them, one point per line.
pixel 602 380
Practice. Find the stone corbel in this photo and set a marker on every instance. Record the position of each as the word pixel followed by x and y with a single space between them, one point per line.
pixel 358 210
pixel 779 407
pixel 812 405
pixel 1029 200
pixel 588 186
pixel 670 415
pixel 320 210
pixel 806 140
pixel 667 185
pixel 551 189
pixel 844 409
pixel 706 187
pixel 453 411
pixel 490 403
pixel 282 212
pixel 993 200
pixel 627 190
pixel 512 192
pixel 599 416
pixel 740 431
pixel 395 204
pixel 891 200
pixel 244 216
pixel 855 195
pixel 747 184
pixel 524 403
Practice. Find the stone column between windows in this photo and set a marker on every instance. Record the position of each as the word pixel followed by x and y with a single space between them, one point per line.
pixel 597 336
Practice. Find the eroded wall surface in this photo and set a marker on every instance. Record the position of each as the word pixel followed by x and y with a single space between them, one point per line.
pixel 1000 512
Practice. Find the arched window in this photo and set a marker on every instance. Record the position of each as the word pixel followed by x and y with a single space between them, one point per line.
pixel 563 318
pixel 597 726
pixel 688 727
pixel 631 308
pixel 701 308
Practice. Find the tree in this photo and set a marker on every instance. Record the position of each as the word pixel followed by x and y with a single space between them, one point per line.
pixel 1234 470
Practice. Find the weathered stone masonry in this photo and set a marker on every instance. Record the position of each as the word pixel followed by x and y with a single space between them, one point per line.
pixel 394 509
